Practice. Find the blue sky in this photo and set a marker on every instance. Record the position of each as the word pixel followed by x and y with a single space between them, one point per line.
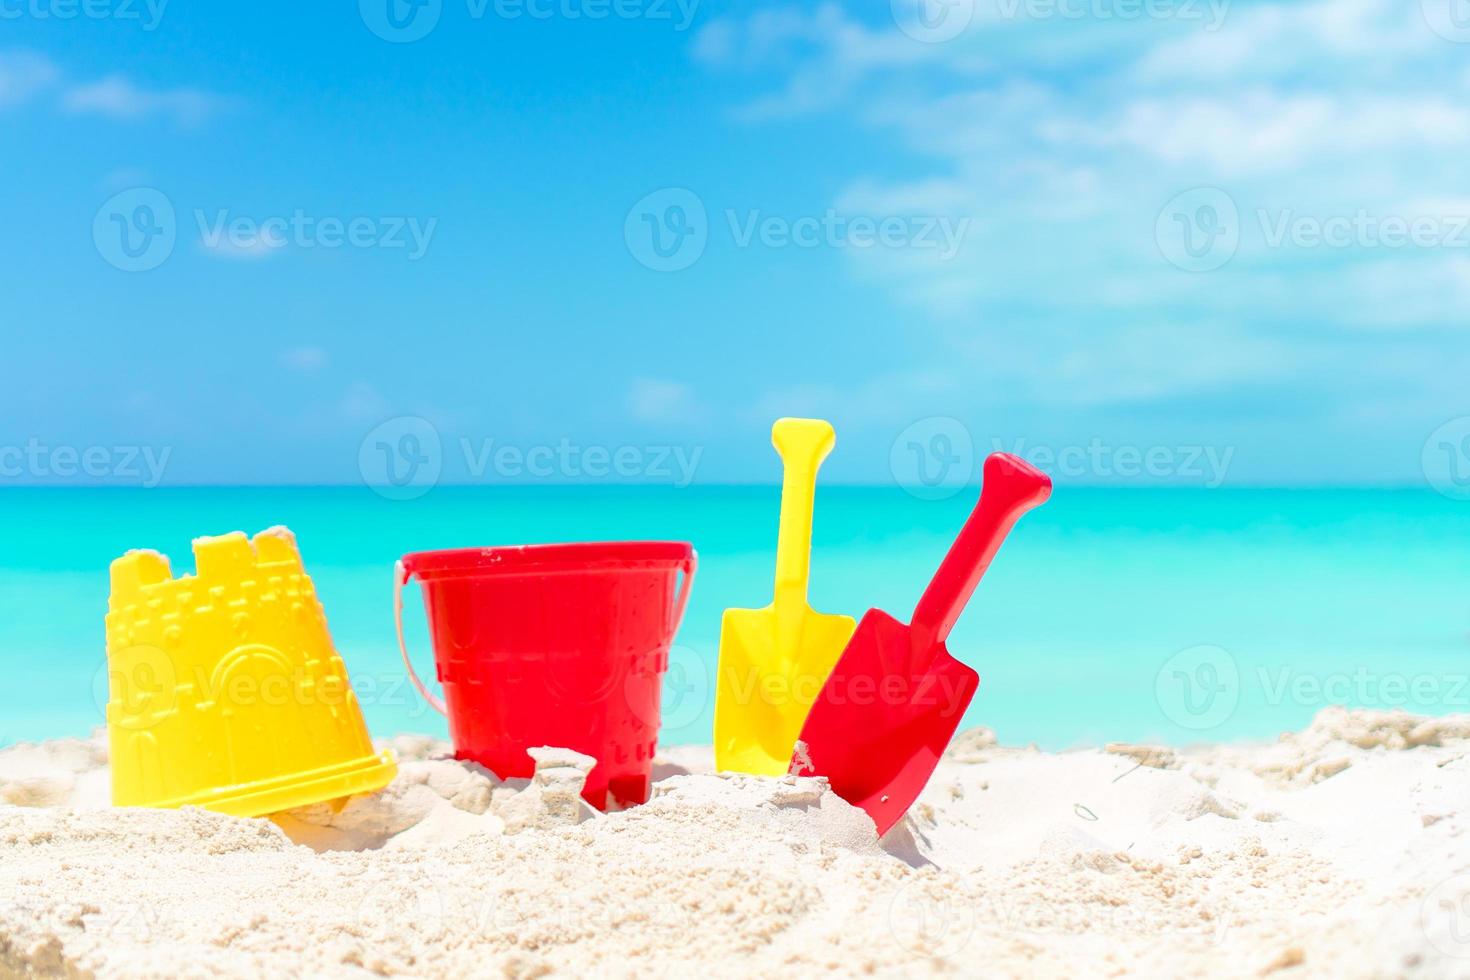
pixel 1038 224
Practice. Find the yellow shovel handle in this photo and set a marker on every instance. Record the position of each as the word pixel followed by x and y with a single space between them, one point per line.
pixel 802 445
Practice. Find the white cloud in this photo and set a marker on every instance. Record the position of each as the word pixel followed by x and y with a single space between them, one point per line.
pixel 1264 131
pixel 825 53
pixel 878 400
pixel 652 400
pixel 1062 296
pixel 236 249
pixel 125 177
pixel 1138 363
pixel 23 75
pixel 307 360
pixel 119 97
pixel 1324 37
pixel 1054 364
pixel 363 402
pixel 1400 293
pixel 933 195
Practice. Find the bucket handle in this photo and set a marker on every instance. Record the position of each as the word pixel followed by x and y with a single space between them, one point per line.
pixel 687 566
pixel 400 579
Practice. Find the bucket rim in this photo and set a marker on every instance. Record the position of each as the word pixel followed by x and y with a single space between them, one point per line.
pixel 570 556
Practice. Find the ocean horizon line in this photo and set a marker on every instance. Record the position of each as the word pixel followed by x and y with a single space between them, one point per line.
pixel 1400 486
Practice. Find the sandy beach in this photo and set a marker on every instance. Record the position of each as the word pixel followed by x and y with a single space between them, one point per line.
pixel 1337 851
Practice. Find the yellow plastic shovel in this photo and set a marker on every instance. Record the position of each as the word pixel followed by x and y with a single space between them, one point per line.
pixel 773 661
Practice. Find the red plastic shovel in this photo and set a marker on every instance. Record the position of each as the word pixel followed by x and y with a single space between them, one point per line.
pixel 893 701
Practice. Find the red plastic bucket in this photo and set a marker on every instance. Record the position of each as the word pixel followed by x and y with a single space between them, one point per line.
pixel 559 644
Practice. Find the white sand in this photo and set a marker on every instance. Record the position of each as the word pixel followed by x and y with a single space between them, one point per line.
pixel 1341 851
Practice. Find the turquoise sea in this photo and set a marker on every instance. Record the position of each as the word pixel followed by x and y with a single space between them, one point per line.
pixel 1110 614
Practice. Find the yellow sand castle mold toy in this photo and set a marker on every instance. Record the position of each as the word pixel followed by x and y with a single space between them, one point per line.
pixel 225 689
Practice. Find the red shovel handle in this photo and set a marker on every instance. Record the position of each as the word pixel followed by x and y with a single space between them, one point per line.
pixel 1011 487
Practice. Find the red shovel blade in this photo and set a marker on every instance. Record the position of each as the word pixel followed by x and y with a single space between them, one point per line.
pixel 896 696
pixel 877 729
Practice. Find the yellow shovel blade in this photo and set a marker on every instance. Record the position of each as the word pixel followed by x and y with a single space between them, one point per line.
pixel 763 694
